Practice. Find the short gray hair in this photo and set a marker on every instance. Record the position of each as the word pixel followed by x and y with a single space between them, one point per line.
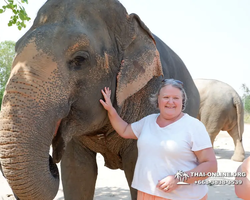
pixel 174 83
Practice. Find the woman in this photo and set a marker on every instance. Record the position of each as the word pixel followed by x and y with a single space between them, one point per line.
pixel 168 142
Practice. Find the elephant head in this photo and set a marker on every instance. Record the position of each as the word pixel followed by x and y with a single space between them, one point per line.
pixel 73 50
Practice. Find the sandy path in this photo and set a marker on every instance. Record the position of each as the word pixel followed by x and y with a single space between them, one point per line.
pixel 112 185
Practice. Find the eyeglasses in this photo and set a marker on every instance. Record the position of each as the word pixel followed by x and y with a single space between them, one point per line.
pixel 177 81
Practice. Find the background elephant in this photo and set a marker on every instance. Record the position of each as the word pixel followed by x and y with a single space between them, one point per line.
pixel 73 50
pixel 221 108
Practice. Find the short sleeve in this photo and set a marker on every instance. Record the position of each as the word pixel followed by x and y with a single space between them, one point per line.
pixel 137 127
pixel 200 137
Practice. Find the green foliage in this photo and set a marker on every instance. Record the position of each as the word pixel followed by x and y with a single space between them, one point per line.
pixel 20 16
pixel 247 118
pixel 246 102
pixel 7 53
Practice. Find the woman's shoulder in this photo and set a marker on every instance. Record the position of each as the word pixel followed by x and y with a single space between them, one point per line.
pixel 151 116
pixel 148 118
pixel 192 120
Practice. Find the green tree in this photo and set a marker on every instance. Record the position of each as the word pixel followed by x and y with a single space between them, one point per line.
pixel 19 16
pixel 246 98
pixel 7 53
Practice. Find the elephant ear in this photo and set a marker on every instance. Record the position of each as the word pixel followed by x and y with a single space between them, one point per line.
pixel 141 61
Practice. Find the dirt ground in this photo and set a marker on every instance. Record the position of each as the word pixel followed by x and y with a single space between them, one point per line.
pixel 112 185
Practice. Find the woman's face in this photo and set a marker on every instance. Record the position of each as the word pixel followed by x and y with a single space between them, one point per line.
pixel 170 101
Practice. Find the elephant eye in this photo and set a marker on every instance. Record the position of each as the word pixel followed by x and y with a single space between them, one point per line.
pixel 78 60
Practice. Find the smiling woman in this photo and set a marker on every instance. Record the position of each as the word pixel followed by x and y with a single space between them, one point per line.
pixel 170 105
pixel 165 147
pixel 174 83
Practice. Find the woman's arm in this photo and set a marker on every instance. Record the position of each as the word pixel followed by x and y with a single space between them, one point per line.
pixel 121 127
pixel 207 163
pixel 243 190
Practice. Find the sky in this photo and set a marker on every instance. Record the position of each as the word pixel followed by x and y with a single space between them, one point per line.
pixel 211 37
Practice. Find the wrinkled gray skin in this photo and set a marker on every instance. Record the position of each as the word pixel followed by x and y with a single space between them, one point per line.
pixel 221 108
pixel 73 50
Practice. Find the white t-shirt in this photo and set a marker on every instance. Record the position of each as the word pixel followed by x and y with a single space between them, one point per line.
pixel 164 151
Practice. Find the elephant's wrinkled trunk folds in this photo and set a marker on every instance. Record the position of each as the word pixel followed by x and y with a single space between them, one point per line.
pixel 28 121
pixel 25 156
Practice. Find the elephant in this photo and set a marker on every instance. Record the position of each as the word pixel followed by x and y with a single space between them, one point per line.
pixel 74 49
pixel 221 108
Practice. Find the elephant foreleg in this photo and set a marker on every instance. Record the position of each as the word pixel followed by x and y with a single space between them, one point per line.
pixel 239 153
pixel 129 158
pixel 79 172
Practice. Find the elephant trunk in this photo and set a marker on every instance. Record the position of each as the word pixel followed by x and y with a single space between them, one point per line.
pixel 25 159
pixel 33 104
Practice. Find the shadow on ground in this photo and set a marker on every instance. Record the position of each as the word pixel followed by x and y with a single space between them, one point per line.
pixel 111 193
pixel 104 193
pixel 227 154
pixel 221 192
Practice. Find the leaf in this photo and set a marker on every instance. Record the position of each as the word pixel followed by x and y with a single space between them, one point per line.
pixel 19 12
pixel 24 1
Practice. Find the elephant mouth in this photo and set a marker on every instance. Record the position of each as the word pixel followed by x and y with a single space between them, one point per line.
pixel 58 144
pixel 57 127
pixel 53 168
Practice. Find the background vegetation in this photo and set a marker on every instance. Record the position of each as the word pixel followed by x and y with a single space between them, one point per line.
pixel 19 17
pixel 7 53
pixel 246 103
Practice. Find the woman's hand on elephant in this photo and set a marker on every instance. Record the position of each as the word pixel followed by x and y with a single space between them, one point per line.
pixel 121 127
pixel 107 104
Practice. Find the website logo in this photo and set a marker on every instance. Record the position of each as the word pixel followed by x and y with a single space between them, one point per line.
pixel 181 176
